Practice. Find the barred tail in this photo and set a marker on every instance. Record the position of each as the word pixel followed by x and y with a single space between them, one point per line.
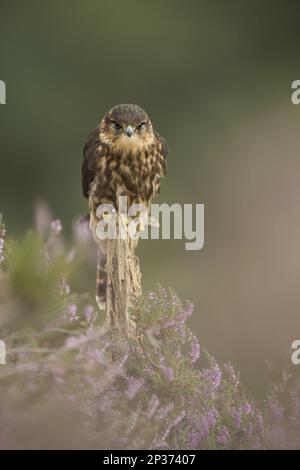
pixel 101 280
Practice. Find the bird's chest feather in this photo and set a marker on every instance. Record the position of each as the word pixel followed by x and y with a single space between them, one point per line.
pixel 135 175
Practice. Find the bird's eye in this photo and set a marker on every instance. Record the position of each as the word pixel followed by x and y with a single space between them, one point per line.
pixel 141 126
pixel 116 125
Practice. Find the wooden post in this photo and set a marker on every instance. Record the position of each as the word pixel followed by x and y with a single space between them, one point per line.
pixel 123 284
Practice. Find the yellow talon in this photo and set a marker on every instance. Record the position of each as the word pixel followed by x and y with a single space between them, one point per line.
pixel 106 216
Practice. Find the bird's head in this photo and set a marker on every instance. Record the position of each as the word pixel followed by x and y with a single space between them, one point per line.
pixel 126 127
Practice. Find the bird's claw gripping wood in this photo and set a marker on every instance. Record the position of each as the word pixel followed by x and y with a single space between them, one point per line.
pixel 106 217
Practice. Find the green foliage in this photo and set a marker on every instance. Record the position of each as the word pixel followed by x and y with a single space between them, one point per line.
pixel 34 277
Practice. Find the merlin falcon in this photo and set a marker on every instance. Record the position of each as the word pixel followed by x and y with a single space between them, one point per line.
pixel 123 156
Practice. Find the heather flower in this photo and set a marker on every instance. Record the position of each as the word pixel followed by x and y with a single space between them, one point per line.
pixel 97 356
pixel 2 237
pixel 134 386
pixel 58 374
pixel 213 376
pixel 169 373
pixel 236 415
pixel 153 405
pixel 179 320
pixel 259 422
pixel 74 342
pixel 256 443
pixel 195 439
pixel 126 390
pixel 185 314
pixel 89 314
pixel 173 425
pixel 82 232
pixel 164 411
pixel 223 436
pixel 247 408
pixel 208 422
pixel 295 405
pixel 176 301
pixel 249 431
pixel 64 288
pixel 275 409
pixel 116 370
pixel 195 349
pixel 149 371
pixel 202 425
pixel 232 375
pixel 134 421
pixel 120 366
pixel 211 417
pixel 56 227
pixel 152 296
pixel 72 312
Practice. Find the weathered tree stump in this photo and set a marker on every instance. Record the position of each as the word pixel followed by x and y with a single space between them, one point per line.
pixel 123 284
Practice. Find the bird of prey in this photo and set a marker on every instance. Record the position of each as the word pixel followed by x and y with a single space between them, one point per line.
pixel 123 156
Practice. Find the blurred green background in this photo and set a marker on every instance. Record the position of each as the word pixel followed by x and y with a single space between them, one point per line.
pixel 215 77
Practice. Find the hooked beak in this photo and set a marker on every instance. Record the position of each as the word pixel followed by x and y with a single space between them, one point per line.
pixel 129 131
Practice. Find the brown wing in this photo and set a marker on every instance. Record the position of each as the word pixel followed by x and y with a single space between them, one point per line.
pixel 163 150
pixel 90 156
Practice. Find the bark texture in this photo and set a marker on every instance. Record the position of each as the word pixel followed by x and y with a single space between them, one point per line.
pixel 123 284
